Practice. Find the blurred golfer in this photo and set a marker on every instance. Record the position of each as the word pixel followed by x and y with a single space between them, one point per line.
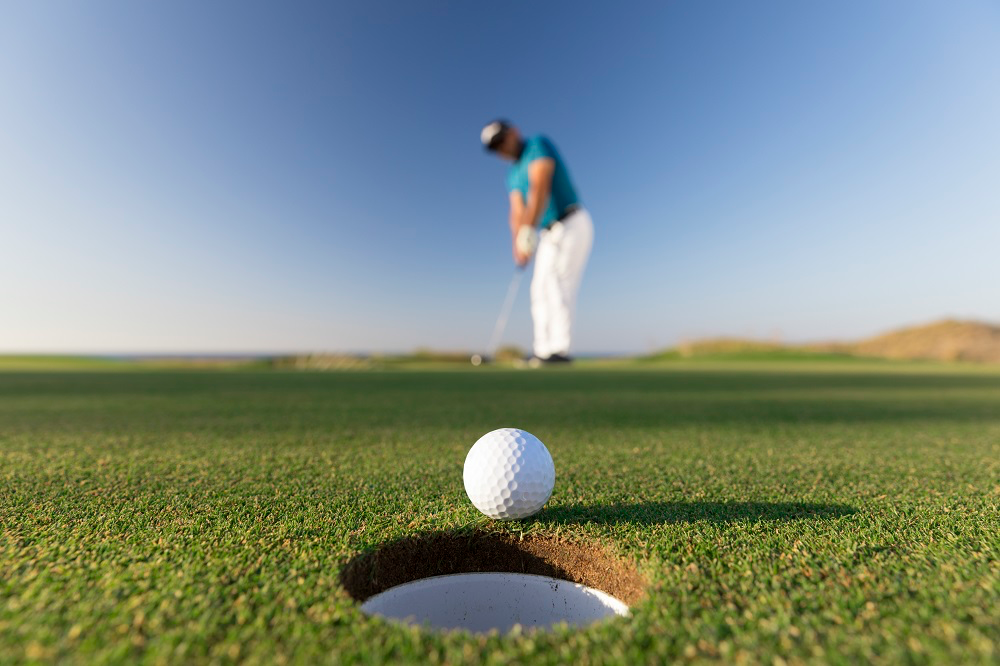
pixel 547 219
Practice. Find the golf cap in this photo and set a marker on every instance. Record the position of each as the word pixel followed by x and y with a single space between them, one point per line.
pixel 493 133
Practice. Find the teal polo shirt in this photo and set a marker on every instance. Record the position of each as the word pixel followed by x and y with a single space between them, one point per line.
pixel 563 193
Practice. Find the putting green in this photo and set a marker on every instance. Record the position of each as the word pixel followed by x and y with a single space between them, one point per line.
pixel 787 511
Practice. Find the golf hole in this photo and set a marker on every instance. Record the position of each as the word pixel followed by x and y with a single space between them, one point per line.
pixel 485 581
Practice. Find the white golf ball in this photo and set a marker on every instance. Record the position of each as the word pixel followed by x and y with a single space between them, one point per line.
pixel 509 474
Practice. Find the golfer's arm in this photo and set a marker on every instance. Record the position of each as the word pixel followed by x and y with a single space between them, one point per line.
pixel 539 187
pixel 516 212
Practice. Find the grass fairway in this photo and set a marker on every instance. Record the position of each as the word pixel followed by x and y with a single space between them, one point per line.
pixel 804 513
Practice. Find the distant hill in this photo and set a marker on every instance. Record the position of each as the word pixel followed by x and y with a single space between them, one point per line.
pixel 715 346
pixel 742 349
pixel 947 340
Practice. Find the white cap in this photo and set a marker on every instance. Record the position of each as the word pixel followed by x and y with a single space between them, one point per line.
pixel 491 134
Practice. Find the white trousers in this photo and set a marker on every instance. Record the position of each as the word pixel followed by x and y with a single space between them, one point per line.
pixel 563 250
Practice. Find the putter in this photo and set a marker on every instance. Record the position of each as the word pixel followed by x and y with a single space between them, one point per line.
pixel 498 329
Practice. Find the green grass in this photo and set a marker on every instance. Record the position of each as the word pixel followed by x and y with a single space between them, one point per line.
pixel 42 362
pixel 780 512
pixel 786 354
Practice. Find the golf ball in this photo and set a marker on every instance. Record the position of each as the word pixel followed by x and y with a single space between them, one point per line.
pixel 509 474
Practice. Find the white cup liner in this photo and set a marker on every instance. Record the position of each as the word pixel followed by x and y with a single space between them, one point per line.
pixel 483 602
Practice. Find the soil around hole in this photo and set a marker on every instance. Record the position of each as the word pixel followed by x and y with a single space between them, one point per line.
pixel 429 554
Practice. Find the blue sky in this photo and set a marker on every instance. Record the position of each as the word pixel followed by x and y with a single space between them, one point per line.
pixel 262 176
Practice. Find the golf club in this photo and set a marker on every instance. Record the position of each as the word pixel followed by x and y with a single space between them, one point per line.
pixel 498 329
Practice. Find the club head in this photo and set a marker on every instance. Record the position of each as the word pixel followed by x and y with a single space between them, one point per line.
pixel 479 359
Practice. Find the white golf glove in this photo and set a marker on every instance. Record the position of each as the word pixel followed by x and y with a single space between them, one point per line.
pixel 527 240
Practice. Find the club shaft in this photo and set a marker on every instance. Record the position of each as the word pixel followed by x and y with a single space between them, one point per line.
pixel 508 303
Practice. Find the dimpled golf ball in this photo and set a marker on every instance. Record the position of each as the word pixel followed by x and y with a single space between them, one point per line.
pixel 509 474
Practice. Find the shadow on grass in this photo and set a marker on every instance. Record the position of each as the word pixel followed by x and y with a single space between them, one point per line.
pixel 655 513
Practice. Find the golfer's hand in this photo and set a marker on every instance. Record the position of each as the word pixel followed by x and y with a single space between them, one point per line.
pixel 521 258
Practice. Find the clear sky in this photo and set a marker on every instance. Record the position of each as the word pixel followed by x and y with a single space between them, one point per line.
pixel 236 176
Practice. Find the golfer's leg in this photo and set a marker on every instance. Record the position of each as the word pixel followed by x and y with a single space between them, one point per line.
pixel 543 284
pixel 574 251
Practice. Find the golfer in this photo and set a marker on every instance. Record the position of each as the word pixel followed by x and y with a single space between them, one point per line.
pixel 544 201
